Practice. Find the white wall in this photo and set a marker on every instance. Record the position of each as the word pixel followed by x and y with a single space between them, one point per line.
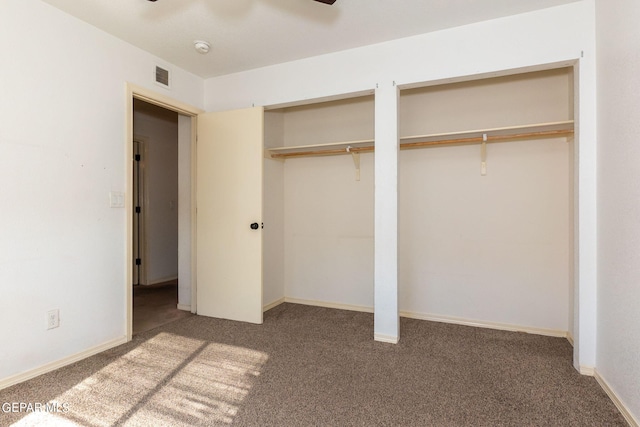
pixel 328 215
pixel 329 230
pixel 62 139
pixel 618 360
pixel 160 129
pixel 563 34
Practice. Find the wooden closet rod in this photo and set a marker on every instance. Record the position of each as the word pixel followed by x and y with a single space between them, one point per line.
pixel 490 138
pixel 420 144
pixel 328 152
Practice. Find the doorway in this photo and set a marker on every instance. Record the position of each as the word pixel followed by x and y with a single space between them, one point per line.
pixel 148 117
pixel 155 216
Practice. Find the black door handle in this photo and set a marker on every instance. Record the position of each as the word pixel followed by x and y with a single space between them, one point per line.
pixel 254 226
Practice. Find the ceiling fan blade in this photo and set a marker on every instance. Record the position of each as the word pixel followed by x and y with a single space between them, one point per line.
pixel 326 1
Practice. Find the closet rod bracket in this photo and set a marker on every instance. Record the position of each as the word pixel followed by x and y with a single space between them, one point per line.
pixel 483 155
pixel 356 161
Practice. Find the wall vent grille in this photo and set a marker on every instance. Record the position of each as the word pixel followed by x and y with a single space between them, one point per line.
pixel 162 76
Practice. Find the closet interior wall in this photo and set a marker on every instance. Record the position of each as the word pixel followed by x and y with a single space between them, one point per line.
pixel 318 219
pixel 494 248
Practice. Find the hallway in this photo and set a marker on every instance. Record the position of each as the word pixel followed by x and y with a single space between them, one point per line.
pixel 155 305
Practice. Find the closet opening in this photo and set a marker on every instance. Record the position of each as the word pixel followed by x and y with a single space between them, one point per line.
pixel 486 203
pixel 318 204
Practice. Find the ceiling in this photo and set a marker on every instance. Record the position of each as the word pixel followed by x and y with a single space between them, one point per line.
pixel 247 34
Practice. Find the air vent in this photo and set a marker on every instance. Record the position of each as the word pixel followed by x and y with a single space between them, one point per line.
pixel 162 77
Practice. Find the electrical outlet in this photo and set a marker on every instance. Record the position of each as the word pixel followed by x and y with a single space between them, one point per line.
pixel 53 318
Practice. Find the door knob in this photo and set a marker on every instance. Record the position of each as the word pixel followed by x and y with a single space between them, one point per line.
pixel 254 226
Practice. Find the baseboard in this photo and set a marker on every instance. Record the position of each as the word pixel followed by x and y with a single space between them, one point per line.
pixel 484 324
pixel 325 304
pixel 184 307
pixel 587 370
pixel 626 413
pixel 437 318
pixel 273 304
pixel 570 339
pixel 15 379
pixel 386 338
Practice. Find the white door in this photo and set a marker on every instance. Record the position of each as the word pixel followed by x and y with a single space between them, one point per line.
pixel 229 214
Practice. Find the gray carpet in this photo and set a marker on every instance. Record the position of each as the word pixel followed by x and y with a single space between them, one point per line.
pixel 310 366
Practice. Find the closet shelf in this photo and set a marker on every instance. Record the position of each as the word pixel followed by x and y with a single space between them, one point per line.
pixel 533 131
pixel 330 149
pixel 502 134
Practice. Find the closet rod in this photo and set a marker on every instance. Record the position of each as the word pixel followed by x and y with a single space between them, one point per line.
pixel 329 152
pixel 490 138
pixel 420 144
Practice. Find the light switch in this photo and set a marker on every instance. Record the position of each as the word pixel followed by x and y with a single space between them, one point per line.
pixel 116 199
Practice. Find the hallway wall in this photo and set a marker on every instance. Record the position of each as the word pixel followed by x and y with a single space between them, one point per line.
pixel 160 128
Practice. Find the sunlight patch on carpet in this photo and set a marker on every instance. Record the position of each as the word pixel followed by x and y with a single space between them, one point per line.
pixel 169 379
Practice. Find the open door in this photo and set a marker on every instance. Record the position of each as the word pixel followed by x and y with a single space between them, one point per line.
pixel 229 214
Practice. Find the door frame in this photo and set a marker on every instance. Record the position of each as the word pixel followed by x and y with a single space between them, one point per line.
pixel 137 92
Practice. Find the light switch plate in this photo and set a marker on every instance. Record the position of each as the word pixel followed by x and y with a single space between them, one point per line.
pixel 116 199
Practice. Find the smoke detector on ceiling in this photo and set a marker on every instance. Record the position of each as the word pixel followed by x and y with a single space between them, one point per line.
pixel 201 46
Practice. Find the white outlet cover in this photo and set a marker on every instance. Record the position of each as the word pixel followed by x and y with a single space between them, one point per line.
pixel 53 319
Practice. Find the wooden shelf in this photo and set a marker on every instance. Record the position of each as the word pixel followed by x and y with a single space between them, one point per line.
pixel 330 149
pixel 511 133
pixel 503 134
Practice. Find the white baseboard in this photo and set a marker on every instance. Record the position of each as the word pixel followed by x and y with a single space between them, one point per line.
pixel 184 307
pixel 570 339
pixel 626 413
pixel 15 379
pixel 273 304
pixel 587 370
pixel 484 324
pixel 386 338
pixel 325 304
pixel 437 318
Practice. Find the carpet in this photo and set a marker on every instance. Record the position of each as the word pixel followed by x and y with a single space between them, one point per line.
pixel 312 366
